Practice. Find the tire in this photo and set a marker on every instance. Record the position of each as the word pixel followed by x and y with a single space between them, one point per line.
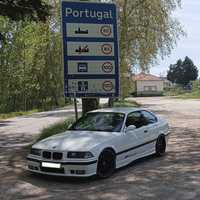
pixel 106 164
pixel 161 145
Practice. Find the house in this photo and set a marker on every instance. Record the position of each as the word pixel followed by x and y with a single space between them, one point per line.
pixel 148 84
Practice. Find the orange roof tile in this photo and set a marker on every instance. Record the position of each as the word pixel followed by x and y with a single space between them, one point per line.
pixel 145 77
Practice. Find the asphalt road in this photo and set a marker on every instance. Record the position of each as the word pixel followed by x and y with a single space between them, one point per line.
pixel 174 176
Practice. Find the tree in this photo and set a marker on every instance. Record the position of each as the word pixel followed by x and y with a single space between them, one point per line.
pixel 190 71
pixel 175 74
pixel 20 9
pixel 147 31
pixel 17 10
pixel 182 72
pixel 30 64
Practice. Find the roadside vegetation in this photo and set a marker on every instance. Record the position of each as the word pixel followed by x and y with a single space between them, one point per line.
pixel 31 70
pixel 184 74
pixel 16 114
pixel 8 115
pixel 181 92
pixel 126 103
pixel 55 129
pixel 123 103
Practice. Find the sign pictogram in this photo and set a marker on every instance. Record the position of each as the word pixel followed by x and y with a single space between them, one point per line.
pixel 108 86
pixel 107 67
pixel 106 30
pixel 106 49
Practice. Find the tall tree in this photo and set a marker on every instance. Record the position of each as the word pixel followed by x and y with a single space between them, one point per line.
pixel 20 9
pixel 182 72
pixel 36 10
pixel 175 73
pixel 147 31
pixel 30 64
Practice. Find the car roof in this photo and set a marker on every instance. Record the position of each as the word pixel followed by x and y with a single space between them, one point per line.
pixel 124 110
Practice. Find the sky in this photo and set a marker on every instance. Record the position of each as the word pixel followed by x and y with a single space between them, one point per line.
pixel 189 16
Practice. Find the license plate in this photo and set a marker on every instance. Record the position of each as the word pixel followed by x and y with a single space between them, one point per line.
pixel 51 165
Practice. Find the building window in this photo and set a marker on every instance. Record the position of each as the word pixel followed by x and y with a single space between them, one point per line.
pixel 150 88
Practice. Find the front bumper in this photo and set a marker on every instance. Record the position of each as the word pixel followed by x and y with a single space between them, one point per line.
pixel 71 169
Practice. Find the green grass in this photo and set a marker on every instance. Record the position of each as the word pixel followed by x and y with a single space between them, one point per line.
pixel 16 114
pixel 176 91
pixel 190 95
pixel 21 113
pixel 126 103
pixel 180 93
pixel 123 103
pixel 55 129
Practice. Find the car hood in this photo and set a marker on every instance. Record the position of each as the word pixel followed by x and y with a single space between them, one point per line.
pixel 75 140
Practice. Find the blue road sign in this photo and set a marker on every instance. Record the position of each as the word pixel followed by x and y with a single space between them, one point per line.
pixel 90 49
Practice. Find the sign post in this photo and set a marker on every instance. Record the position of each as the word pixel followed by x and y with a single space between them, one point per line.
pixel 75 107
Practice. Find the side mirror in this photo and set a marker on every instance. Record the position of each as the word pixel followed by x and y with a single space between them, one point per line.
pixel 130 128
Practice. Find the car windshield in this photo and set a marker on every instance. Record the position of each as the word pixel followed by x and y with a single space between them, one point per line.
pixel 100 121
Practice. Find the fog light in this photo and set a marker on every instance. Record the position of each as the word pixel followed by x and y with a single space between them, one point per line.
pixel 32 167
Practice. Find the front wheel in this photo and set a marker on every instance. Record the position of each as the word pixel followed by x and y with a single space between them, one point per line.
pixel 106 164
pixel 160 145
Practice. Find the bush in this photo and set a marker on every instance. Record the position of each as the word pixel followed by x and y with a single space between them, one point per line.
pixel 180 92
pixel 55 129
pixel 126 103
pixel 123 103
pixel 175 91
pixel 196 86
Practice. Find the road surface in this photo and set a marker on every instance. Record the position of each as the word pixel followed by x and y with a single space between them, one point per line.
pixel 174 176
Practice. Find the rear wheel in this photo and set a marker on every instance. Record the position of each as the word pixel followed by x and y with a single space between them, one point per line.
pixel 160 145
pixel 106 164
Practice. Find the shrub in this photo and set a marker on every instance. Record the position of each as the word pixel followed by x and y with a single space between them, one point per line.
pixel 55 129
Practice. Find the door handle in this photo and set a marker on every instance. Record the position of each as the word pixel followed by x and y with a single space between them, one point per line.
pixel 145 131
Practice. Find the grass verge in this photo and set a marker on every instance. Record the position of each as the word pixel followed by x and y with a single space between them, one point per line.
pixel 126 103
pixel 16 114
pixel 55 129
pixel 192 95
pixel 123 103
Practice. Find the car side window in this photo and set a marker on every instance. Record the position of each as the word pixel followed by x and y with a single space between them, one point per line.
pixel 150 118
pixel 136 119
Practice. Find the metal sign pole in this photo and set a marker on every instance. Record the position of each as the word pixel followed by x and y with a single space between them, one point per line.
pixel 75 107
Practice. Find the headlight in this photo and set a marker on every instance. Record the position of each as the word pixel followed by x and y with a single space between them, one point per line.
pixel 36 152
pixel 85 155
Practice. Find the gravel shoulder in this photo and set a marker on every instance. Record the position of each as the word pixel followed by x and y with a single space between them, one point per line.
pixel 174 176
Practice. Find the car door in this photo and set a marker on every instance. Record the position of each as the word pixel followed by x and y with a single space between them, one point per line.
pixel 151 127
pixel 131 141
pixel 139 142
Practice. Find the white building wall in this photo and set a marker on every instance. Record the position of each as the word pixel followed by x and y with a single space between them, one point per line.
pixel 156 86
